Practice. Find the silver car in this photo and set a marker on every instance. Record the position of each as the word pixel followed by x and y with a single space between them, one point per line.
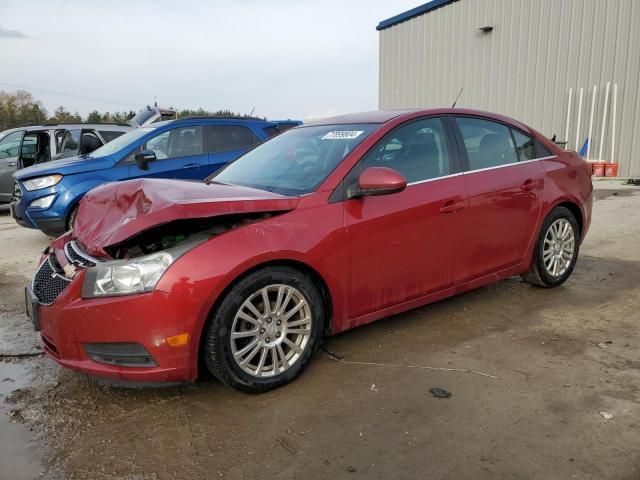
pixel 26 146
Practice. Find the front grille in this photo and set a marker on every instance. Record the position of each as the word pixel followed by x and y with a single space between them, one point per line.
pixel 76 256
pixel 17 193
pixel 48 282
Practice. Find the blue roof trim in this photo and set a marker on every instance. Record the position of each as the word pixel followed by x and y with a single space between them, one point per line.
pixel 414 12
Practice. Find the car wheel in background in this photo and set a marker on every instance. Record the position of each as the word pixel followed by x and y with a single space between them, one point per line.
pixel 265 330
pixel 556 249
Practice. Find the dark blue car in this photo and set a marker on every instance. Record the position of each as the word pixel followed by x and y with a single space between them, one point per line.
pixel 46 196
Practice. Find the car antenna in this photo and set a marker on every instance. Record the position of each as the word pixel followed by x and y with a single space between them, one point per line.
pixel 456 100
pixel 252 110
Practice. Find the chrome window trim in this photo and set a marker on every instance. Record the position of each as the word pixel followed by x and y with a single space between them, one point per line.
pixel 434 179
pixel 509 164
pixel 480 170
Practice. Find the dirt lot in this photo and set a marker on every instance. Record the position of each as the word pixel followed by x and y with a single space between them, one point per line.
pixel 553 359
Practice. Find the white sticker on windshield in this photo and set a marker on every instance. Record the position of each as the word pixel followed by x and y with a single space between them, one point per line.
pixel 343 135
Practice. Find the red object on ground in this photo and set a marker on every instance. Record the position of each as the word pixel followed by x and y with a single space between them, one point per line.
pixel 610 169
pixel 597 169
pixel 376 255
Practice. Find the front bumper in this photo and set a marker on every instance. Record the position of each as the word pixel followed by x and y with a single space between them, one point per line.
pixel 70 323
pixel 48 223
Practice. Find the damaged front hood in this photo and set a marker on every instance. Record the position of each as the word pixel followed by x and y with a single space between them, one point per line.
pixel 114 212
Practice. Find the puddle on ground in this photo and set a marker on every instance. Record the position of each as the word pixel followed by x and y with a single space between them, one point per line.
pixel 19 458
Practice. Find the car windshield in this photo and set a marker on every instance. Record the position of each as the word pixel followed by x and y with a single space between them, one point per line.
pixel 121 142
pixel 296 161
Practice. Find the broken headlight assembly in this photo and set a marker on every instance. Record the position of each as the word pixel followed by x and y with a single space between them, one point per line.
pixel 127 277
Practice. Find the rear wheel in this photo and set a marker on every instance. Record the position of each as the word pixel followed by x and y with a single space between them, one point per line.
pixel 265 331
pixel 556 250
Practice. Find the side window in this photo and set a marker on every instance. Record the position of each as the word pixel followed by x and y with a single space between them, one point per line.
pixel 488 143
pixel 89 142
pixel 230 137
pixel 417 150
pixel 525 146
pixel 542 150
pixel 10 145
pixel 70 143
pixel 109 135
pixel 179 142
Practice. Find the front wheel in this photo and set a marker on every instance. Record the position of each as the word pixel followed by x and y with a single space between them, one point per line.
pixel 556 250
pixel 265 331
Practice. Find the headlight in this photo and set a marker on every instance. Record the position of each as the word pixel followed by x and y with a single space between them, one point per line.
pixel 44 202
pixel 138 275
pixel 42 182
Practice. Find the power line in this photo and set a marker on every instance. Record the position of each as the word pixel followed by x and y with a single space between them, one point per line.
pixel 72 95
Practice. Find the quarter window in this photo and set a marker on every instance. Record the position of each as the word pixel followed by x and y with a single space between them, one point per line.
pixel 230 137
pixel 417 150
pixel 488 144
pixel 525 146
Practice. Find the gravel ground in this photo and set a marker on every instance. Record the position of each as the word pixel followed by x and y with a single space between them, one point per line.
pixel 555 364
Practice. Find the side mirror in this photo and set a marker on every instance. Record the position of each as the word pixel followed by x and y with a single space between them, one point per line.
pixel 380 181
pixel 144 157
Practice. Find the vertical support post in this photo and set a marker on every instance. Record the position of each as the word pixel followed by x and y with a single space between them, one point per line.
pixel 593 108
pixel 604 121
pixel 578 120
pixel 566 133
pixel 613 123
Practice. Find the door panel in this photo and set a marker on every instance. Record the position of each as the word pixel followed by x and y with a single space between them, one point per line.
pixel 403 246
pixel 9 153
pixel 192 167
pixel 220 159
pixel 505 197
pixel 504 206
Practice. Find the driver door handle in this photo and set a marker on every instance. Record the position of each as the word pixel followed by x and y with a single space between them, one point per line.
pixel 451 206
pixel 528 185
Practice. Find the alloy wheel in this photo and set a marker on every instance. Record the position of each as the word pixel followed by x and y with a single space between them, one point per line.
pixel 559 245
pixel 271 330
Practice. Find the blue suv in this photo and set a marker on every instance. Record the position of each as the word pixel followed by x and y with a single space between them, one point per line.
pixel 46 196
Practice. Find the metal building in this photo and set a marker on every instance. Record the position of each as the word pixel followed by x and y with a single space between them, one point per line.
pixel 538 61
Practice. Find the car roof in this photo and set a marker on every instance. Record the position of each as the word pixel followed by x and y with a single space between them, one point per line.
pixel 384 116
pixel 56 126
pixel 223 120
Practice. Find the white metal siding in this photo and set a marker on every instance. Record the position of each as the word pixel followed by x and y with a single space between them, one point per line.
pixel 524 68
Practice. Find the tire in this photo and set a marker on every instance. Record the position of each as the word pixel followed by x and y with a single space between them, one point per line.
pixel 544 272
pixel 270 331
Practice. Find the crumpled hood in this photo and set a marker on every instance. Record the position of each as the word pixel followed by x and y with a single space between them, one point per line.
pixel 117 211
pixel 64 166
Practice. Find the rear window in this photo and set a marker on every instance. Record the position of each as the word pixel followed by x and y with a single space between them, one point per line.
pixel 231 137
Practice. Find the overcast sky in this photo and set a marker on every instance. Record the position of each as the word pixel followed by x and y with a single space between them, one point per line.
pixel 288 59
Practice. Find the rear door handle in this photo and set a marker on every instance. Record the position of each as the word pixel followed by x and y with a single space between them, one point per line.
pixel 12 164
pixel 191 165
pixel 528 185
pixel 451 207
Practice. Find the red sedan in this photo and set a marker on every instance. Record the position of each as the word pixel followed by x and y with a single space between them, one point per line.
pixel 323 228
